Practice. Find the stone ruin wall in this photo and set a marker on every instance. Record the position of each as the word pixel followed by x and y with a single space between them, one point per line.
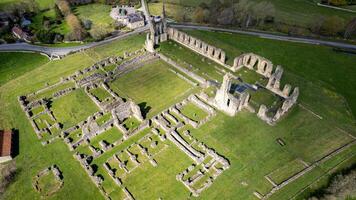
pixel 214 53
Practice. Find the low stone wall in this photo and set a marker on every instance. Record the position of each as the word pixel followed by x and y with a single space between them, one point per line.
pixel 192 75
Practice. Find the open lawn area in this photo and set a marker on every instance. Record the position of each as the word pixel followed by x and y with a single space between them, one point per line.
pixel 11 67
pixel 43 4
pixel 191 61
pixel 98 14
pixel 253 151
pixel 153 87
pixel 73 108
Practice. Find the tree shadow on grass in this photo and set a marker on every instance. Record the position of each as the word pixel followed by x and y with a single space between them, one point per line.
pixel 144 108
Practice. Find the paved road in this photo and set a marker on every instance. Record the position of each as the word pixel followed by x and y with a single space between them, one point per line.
pixel 62 51
pixel 270 36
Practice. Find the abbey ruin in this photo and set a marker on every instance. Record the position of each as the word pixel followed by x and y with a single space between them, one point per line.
pixel 172 126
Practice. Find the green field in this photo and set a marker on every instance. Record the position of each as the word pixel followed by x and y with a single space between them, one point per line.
pixel 73 108
pixel 191 61
pixel 10 68
pixel 43 4
pixel 153 87
pixel 247 142
pixel 98 14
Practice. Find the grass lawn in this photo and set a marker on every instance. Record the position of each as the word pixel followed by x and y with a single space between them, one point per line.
pixel 152 86
pixel 191 60
pixel 251 77
pixel 110 136
pixel 11 67
pixel 98 14
pixel 103 119
pixel 73 108
pixel 251 147
pixel 150 182
pixel 286 171
pixel 101 93
pixel 193 112
pixel 48 184
pixel 48 93
pixel 43 4
pixel 131 123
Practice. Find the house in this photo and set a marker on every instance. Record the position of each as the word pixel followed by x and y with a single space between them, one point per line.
pixel 128 16
pixel 5 146
pixel 135 20
pixel 20 34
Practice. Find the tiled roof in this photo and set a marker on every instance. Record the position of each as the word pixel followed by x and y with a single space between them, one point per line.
pixel 5 143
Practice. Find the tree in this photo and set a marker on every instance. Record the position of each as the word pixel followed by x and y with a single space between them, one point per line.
pixel 350 30
pixel 316 25
pixel 64 7
pixel 337 2
pixel 226 16
pixel 332 26
pixel 77 33
pixel 59 16
pixel 45 36
pixel 201 15
pixel 99 32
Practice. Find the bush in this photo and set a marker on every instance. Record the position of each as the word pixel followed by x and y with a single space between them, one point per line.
pixel 332 26
pixel 99 32
pixel 77 33
pixel 64 7
pixel 45 36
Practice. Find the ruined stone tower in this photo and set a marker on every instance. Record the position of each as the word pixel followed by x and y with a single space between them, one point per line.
pixel 227 102
pixel 158 28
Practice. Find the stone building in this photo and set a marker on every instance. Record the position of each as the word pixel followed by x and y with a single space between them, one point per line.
pixel 134 21
pixel 128 16
pixel 227 102
pixel 5 146
pixel 158 28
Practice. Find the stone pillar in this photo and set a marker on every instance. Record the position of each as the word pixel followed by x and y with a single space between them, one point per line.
pixel 268 71
pixel 198 45
pixel 149 45
pixel 210 50
pixel 192 42
pixel 223 57
pixel 204 47
pixel 217 53
pixel 186 39
pixel 286 90
pixel 262 111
